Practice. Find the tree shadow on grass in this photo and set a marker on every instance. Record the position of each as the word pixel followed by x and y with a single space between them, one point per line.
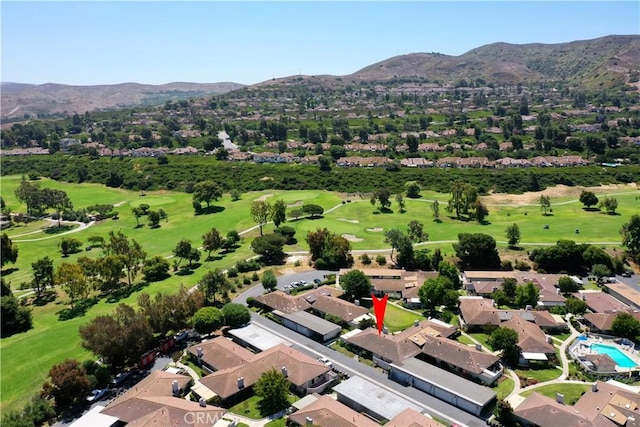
pixel 124 292
pixel 590 209
pixel 8 271
pixel 214 258
pixel 210 210
pixel 79 310
pixel 484 222
pixel 184 272
pixel 57 229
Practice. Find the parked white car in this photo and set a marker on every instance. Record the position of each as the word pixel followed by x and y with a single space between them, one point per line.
pixel 96 395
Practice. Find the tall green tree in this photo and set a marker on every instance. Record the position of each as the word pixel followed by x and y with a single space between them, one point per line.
pixel 626 326
pixel 71 278
pixel 57 200
pixel 505 339
pixel 130 252
pixel 273 390
pixel 435 208
pixel 212 241
pixel 269 280
pixel 260 211
pixel 433 292
pixel 545 203
pixel 355 284
pixel 8 251
pixel 610 204
pixel 213 282
pixel 270 247
pixel 381 195
pixel 236 315
pixel 170 312
pixel 477 251
pixel 527 294
pixel 588 198
pixel 400 201
pixel 513 235
pixel 182 250
pixel 206 191
pixel 207 320
pixel 412 189
pixel 416 232
pixel 278 212
pixel 631 236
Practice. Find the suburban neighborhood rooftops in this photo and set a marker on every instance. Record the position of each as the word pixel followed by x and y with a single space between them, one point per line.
pixel 412 418
pixel 466 389
pixel 373 397
pixel 601 302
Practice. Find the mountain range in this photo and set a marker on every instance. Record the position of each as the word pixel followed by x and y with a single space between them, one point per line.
pixel 596 64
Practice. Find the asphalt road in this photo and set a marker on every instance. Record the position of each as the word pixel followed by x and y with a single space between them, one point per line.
pixel 632 282
pixel 307 276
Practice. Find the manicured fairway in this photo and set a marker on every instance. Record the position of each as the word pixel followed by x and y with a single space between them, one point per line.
pixel 27 357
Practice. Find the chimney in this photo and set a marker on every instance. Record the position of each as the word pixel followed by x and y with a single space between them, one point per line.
pixel 285 372
pixel 309 422
pixel 385 330
pixel 357 302
pixel 583 298
pixel 202 402
pixel 241 382
pixel 557 291
pixel 479 347
pixel 549 339
pixel 416 322
pixel 199 352
pixel 560 398
pixel 594 387
pixel 528 307
pixel 175 387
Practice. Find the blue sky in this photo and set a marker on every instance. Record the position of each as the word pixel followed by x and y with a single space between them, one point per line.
pixel 86 43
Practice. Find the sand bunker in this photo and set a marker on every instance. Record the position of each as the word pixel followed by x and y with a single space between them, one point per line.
pixel 296 204
pixel 352 238
pixel 375 229
pixel 352 221
pixel 263 198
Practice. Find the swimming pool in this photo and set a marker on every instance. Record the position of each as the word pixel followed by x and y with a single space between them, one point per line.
pixel 616 354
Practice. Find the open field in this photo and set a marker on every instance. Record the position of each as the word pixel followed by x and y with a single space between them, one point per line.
pixel 41 345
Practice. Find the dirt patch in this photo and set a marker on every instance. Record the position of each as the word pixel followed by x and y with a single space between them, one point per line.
pixel 352 238
pixel 295 204
pixel 266 178
pixel 375 229
pixel 352 221
pixel 117 205
pixel 553 192
pixel 263 198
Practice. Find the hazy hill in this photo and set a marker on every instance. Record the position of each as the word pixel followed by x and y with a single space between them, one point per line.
pixel 19 99
pixel 602 62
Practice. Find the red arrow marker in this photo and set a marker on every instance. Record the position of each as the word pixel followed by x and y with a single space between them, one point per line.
pixel 379 305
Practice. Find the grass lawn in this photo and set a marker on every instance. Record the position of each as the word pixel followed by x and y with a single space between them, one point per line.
pixel 464 340
pixel 504 387
pixel 562 337
pixel 541 375
pixel 572 392
pixel 482 338
pixel 398 319
pixel 280 422
pixel 249 407
pixel 201 372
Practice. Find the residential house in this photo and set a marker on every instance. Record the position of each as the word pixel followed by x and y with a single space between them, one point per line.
pixel 268 157
pixel 602 322
pixel 481 314
pixel 282 302
pixel 219 353
pixel 392 282
pixel 606 404
pixel 459 358
pixel 326 411
pixel 532 341
pixel 302 371
pixel 157 397
pixel 348 312
pixel 601 363
pixel 416 162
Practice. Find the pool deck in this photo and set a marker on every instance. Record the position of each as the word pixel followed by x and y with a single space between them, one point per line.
pixel 582 347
